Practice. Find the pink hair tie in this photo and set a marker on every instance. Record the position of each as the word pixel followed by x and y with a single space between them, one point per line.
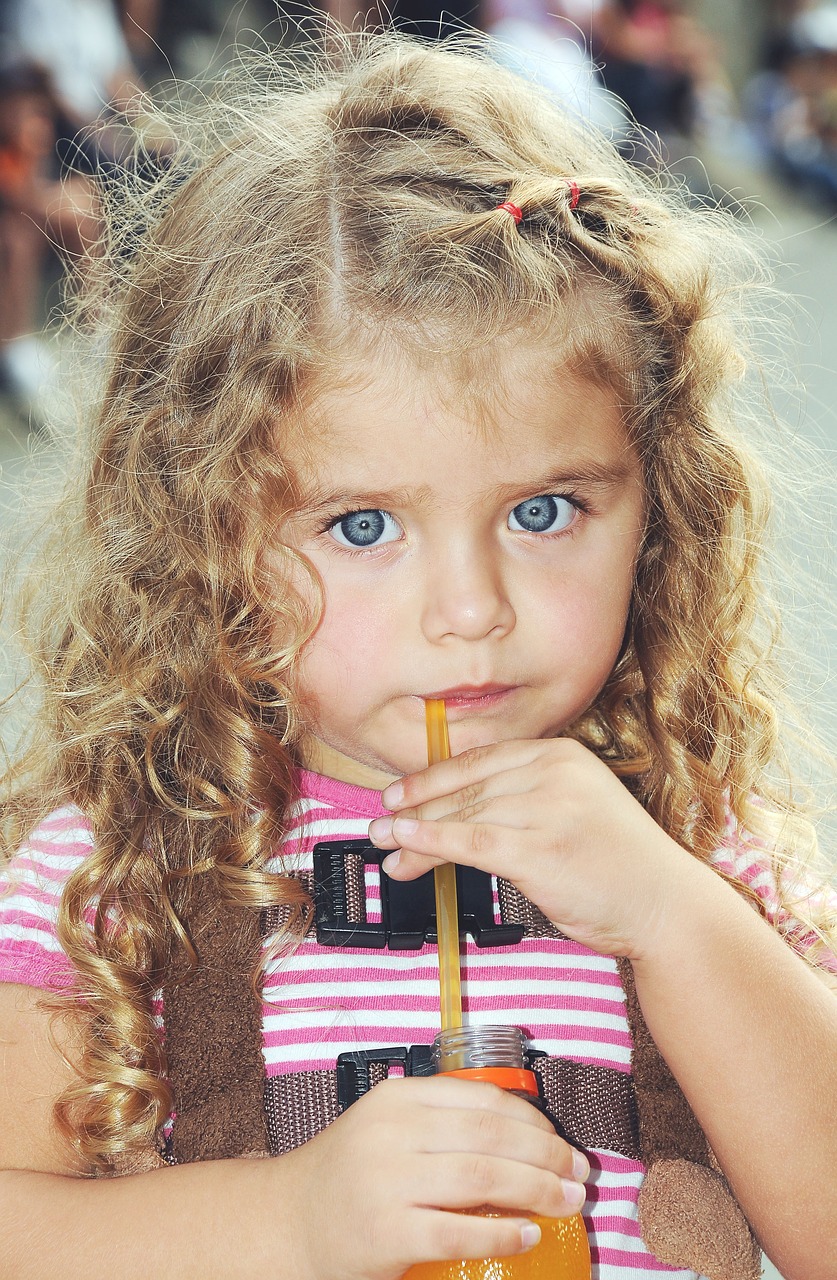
pixel 574 191
pixel 516 213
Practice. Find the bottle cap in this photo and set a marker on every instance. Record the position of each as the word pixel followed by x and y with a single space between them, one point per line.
pixel 517 1078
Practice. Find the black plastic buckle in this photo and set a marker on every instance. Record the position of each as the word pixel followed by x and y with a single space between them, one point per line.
pixel 408 908
pixel 354 1068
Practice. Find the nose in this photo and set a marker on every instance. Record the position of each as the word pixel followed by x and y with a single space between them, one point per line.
pixel 466 597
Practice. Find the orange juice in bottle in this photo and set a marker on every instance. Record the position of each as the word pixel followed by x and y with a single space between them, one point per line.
pixel 563 1253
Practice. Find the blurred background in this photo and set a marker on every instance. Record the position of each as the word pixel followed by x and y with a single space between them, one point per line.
pixel 738 98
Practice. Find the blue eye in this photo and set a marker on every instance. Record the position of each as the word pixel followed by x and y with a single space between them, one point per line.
pixel 365 529
pixel 547 513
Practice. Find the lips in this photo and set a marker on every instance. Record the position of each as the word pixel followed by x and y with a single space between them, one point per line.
pixel 472 696
pixel 468 691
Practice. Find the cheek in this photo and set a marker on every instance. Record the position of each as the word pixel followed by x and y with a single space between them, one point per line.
pixel 590 610
pixel 349 650
pixel 295 591
pixel 592 631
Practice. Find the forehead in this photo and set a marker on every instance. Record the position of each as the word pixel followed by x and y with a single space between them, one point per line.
pixel 397 408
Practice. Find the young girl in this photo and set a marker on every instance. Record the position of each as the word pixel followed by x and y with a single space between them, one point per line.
pixel 412 389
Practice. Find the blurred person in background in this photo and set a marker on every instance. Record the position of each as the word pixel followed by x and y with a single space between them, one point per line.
pixel 549 40
pixel 81 46
pixel 66 75
pixel 412 17
pixel 613 62
pixel 140 27
pixel 792 104
pixel 660 61
pixel 37 210
pixel 546 40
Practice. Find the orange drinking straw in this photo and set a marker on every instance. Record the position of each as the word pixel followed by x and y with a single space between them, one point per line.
pixel 444 877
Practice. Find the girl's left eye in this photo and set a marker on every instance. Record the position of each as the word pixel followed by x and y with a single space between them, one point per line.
pixel 546 513
pixel 361 529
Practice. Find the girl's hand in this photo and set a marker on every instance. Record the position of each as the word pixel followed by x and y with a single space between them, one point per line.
pixel 550 817
pixel 384 1186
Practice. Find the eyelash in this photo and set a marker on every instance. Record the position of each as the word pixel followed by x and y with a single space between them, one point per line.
pixel 328 522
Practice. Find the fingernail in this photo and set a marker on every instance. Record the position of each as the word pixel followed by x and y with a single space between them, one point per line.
pixel 574 1194
pixel 392 795
pixel 380 829
pixel 391 861
pixel 581 1166
pixel 404 827
pixel 530 1235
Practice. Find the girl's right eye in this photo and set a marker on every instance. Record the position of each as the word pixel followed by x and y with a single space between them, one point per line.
pixel 365 529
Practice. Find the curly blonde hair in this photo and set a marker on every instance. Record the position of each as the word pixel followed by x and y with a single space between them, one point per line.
pixel 363 184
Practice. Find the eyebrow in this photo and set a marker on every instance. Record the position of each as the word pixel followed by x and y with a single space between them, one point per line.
pixel 363 499
pixel 588 474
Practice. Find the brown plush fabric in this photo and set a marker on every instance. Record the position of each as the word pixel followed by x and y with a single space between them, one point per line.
pixel 136 1162
pixel 214 1035
pixel 690 1219
pixel 688 1215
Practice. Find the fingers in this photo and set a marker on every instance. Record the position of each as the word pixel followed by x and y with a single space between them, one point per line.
pixel 438 1236
pixel 472 769
pixel 464 1180
pixel 475 1144
pixel 464 809
pixel 381 832
pixel 490 1132
pixel 400 864
pixel 453 1093
pixel 525 1172
pixel 493 1227
pixel 424 844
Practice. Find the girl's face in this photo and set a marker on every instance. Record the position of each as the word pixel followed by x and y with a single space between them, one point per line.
pixel 476 541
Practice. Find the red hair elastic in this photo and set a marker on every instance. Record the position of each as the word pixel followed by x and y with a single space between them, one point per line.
pixel 516 213
pixel 575 193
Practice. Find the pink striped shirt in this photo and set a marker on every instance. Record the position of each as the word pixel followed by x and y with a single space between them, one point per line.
pixel 321 1001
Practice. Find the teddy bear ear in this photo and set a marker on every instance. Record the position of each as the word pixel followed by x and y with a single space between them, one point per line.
pixel 689 1219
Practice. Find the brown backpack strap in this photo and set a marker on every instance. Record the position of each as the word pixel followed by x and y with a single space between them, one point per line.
pixel 515 909
pixel 591 1106
pixel 298 1106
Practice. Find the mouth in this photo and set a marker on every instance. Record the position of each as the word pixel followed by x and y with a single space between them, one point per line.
pixel 472 697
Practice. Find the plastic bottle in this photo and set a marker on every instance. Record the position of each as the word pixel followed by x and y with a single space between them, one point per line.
pixel 563 1253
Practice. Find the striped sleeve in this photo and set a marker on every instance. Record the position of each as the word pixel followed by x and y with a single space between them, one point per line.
pixel 31 885
pixel 747 859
